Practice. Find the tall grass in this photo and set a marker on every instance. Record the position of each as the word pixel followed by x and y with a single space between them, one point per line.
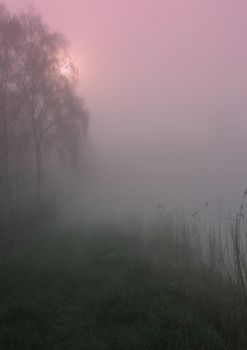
pixel 207 262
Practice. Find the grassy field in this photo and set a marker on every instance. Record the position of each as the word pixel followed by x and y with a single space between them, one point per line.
pixel 92 290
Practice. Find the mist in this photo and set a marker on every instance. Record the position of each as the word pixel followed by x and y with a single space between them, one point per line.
pixel 123 175
pixel 165 84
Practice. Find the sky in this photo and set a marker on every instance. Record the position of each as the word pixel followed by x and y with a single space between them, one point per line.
pixel 165 82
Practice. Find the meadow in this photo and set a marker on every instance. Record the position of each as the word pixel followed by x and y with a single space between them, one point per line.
pixel 94 288
pixel 175 282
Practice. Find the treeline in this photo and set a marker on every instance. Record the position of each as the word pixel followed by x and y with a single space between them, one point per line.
pixel 41 115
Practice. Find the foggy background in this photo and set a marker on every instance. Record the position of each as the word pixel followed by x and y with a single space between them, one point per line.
pixel 165 83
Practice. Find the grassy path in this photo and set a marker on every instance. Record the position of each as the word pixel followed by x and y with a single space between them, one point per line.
pixel 92 291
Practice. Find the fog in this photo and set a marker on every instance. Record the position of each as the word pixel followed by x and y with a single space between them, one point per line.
pixel 165 83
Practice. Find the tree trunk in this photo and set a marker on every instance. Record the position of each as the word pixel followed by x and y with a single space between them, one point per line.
pixel 6 165
pixel 39 176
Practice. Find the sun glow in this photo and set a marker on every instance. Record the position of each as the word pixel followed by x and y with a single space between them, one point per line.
pixel 66 70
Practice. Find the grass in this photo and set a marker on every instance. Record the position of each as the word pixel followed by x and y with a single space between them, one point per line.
pixel 207 263
pixel 93 290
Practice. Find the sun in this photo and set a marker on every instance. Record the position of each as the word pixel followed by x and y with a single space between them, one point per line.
pixel 66 70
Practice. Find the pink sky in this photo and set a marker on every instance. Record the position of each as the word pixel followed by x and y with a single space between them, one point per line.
pixel 166 83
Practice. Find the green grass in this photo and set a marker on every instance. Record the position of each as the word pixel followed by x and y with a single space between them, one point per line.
pixel 92 290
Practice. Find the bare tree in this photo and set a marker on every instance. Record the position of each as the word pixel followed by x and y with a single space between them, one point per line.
pixel 53 109
pixel 9 99
pixel 40 111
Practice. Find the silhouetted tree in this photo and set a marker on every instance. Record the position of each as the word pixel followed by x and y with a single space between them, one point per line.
pixel 10 103
pixel 40 111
